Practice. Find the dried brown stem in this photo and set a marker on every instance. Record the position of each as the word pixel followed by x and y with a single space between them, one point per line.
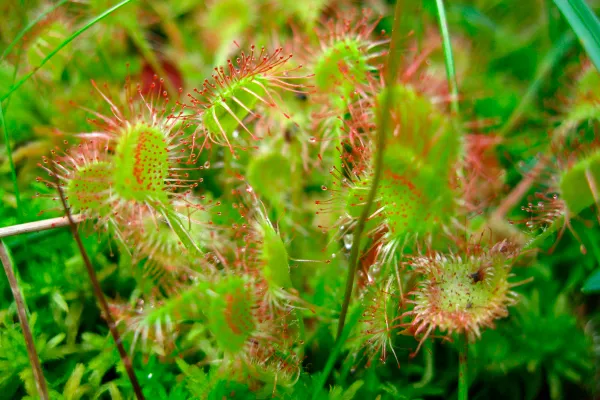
pixel 37 226
pixel 101 299
pixel 34 360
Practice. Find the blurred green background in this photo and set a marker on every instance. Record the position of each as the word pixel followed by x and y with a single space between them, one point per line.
pixel 517 65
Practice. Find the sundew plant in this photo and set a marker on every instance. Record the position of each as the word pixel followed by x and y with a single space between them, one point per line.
pixel 326 200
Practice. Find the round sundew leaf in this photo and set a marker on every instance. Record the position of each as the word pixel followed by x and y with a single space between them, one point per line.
pixel 227 112
pixel 275 258
pixel 577 185
pixel 460 288
pixel 463 294
pixel 418 134
pixel 142 164
pixel 89 188
pixel 341 67
pixel 405 204
pixel 270 176
pixel 421 151
pixel 230 316
pixel 585 104
pixel 415 202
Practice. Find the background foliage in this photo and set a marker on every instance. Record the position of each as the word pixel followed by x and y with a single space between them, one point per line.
pixel 518 66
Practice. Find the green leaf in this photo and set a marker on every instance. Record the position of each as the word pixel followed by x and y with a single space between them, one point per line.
pixel 592 284
pixel 448 58
pixel 60 301
pixel 585 24
pixel 577 184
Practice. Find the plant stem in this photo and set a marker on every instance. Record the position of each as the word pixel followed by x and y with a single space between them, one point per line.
pixel 37 226
pixel 463 376
pixel 391 74
pixel 429 361
pixel 448 57
pixel 100 296
pixel 34 360
pixel 337 348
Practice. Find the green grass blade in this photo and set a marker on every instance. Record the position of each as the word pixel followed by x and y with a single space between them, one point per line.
pixel 13 172
pixel 29 26
pixel 68 40
pixel 585 24
pixel 448 57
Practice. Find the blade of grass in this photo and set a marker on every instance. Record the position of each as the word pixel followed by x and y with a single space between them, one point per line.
pixel 29 27
pixel 13 171
pixel 68 40
pixel 585 24
pixel 14 75
pixel 34 360
pixel 448 57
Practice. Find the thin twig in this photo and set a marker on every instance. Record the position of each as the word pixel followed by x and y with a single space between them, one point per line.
pixel 34 360
pixel 385 109
pixel 37 226
pixel 100 296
